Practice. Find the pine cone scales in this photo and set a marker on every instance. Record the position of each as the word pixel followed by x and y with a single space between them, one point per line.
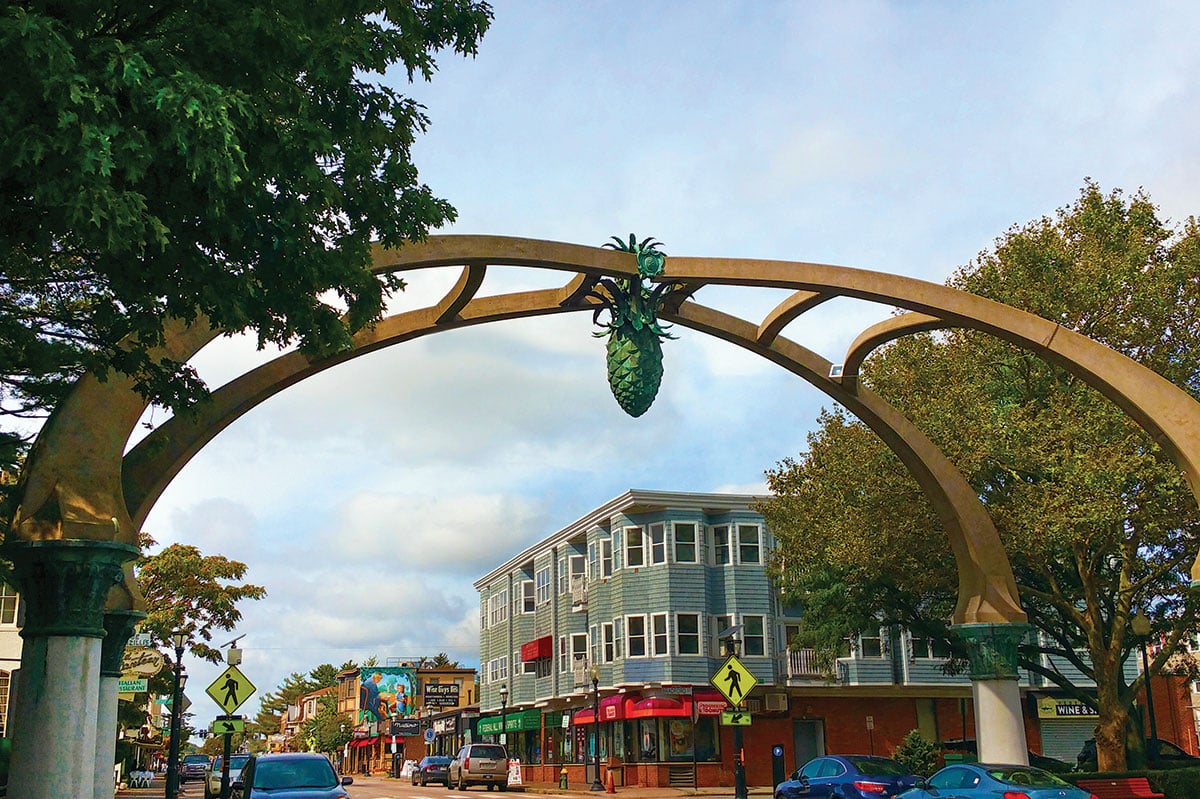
pixel 635 368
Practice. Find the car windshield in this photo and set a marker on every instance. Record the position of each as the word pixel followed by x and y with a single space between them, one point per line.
pixel 196 759
pixel 436 761
pixel 1026 776
pixel 878 766
pixel 494 752
pixel 236 762
pixel 308 772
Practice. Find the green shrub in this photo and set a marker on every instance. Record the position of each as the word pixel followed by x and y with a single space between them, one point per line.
pixel 917 754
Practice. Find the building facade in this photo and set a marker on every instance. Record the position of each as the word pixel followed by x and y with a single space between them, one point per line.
pixel 621 614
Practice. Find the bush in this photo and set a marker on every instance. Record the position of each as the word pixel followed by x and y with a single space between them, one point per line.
pixel 917 754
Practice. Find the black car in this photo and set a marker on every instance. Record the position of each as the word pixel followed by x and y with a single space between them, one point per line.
pixel 969 747
pixel 434 768
pixel 1168 755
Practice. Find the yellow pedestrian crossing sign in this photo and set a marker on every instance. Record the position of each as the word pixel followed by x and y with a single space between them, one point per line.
pixel 231 689
pixel 734 680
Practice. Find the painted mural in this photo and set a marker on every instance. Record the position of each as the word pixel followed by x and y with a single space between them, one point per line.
pixel 386 691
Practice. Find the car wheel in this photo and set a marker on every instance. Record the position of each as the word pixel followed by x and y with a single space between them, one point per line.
pixel 503 786
pixel 491 786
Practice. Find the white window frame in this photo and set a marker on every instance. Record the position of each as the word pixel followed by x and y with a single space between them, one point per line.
pixel 609 645
pixel 541 579
pixel 528 602
pixel 696 638
pixel 695 541
pixel 579 647
pixel 564 579
pixel 618 636
pixel 722 621
pixel 635 553
pixel 756 546
pixel 564 654
pixel 594 643
pixel 498 609
pixel 634 640
pixel 658 543
pixel 721 532
pixel 862 646
pixel 761 638
pixel 484 607
pixel 606 558
pixel 659 635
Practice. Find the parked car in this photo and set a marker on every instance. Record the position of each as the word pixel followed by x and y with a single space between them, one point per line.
pixel 968 746
pixel 1168 755
pixel 193 767
pixel 479 764
pixel 989 781
pixel 289 775
pixel 431 769
pixel 212 780
pixel 846 777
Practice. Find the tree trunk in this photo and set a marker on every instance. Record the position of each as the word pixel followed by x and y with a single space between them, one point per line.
pixel 1111 732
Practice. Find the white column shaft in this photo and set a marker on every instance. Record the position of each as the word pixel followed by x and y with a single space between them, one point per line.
pixel 999 725
pixel 106 737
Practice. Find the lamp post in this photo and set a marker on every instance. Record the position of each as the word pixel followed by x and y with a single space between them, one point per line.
pixel 594 673
pixel 1140 624
pixel 179 638
pixel 504 714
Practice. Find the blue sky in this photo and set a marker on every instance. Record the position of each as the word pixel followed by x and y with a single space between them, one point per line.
pixel 899 137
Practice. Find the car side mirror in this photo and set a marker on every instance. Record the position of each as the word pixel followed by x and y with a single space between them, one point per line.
pixel 795 775
pixel 921 783
pixel 347 780
pixel 236 785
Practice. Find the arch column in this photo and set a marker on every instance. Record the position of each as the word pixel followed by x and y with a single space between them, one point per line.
pixel 118 627
pixel 65 584
pixel 999 723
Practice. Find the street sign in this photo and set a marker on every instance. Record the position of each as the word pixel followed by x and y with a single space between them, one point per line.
pixel 733 680
pixel 231 689
pixel 131 686
pixel 677 689
pixel 140 639
pixel 223 726
pixel 429 735
pixel 441 695
pixel 405 727
pixel 735 718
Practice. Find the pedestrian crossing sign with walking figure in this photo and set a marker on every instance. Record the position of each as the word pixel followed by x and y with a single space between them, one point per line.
pixel 231 689
pixel 734 680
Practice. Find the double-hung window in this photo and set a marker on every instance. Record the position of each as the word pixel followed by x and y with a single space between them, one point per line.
pixel 658 544
pixel 542 579
pixel 564 581
pixel 722 553
pixel 635 553
pixel 658 634
pixel 606 558
pixel 499 608
pixel 635 636
pixel 749 544
pixel 528 603
pixel 686 545
pixel 754 635
pixel 609 643
pixel 687 633
pixel 720 624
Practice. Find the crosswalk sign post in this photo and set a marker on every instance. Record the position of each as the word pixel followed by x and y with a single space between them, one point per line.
pixel 231 689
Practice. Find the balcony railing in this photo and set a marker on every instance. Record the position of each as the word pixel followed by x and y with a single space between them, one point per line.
pixel 579 672
pixel 803 664
pixel 578 593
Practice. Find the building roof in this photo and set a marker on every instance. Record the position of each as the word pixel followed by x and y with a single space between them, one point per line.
pixel 635 500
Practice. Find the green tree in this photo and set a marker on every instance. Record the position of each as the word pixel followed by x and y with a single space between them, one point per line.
pixel 328 731
pixel 1097 521
pixel 917 754
pixel 229 159
pixel 442 661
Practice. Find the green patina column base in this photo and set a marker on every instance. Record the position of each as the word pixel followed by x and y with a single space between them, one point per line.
pixel 65 584
pixel 992 649
pixel 118 626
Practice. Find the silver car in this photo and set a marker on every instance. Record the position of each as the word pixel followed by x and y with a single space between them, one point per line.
pixel 479 764
pixel 212 780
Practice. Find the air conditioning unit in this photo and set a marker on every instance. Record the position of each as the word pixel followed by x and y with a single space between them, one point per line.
pixel 777 703
pixel 754 705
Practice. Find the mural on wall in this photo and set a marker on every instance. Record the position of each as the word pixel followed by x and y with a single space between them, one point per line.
pixel 386 691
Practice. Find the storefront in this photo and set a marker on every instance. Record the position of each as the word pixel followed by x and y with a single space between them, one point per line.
pixel 1064 724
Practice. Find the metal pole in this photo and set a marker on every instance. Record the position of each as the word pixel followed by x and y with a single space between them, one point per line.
pixel 1152 743
pixel 173 752
pixel 225 767
pixel 596 784
pixel 739 766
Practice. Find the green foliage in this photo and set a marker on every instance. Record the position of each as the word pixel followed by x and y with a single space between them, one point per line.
pixel 1096 519
pixel 327 731
pixel 228 159
pixel 274 704
pixel 917 754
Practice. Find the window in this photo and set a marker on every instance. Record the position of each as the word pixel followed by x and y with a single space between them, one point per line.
pixel 687 633
pixel 635 637
pixel 483 614
pixel 8 605
pixel 609 651
pixel 685 543
pixel 4 681
pixel 497 669
pixel 564 582
pixel 720 624
pixel 579 642
pixel 930 648
pixel 606 559
pixel 658 630
pixel 754 636
pixel 658 544
pixel 721 553
pixel 870 646
pixel 790 631
pixel 594 560
pixel 542 579
pixel 749 545
pixel 527 597
pixel 564 654
pixel 618 635
pixel 635 555
pixel 594 635
pixel 499 608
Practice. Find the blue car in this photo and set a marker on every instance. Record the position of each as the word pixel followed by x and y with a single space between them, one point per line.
pixel 846 777
pixel 990 781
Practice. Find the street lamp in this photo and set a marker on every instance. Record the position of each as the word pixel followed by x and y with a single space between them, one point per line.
pixel 739 765
pixel 179 638
pixel 594 673
pixel 504 714
pixel 1140 624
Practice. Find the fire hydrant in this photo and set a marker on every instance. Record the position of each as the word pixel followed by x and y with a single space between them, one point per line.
pixel 562 778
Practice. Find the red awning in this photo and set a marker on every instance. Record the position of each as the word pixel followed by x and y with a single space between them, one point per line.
pixel 612 708
pixel 365 741
pixel 537 649
pixel 660 706
pixel 710 703
pixel 393 739
pixel 582 717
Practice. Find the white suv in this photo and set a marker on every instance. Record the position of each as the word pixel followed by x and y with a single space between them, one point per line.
pixel 212 780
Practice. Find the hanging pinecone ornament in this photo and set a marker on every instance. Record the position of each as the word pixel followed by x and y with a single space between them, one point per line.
pixel 635 367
